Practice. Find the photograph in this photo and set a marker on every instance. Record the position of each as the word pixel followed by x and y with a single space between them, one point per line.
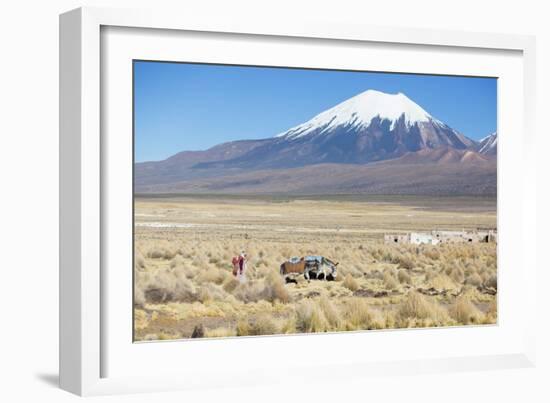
pixel 274 200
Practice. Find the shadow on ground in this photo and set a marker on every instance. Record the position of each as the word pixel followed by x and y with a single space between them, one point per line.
pixel 49 379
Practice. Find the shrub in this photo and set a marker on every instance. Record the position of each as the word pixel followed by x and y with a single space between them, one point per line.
pixel 358 315
pixel 230 284
pixel 177 261
pixel 251 291
pixel 263 325
pixel 463 311
pixel 350 283
pixel 474 280
pixel 211 292
pixel 309 318
pixel 161 250
pixel 139 296
pixel 139 260
pixel 164 285
pixel 417 306
pixel 390 282
pixel 404 277
pixel 211 275
pixel 330 311
pixel 243 329
pixel 405 262
pixel 442 282
pixel 275 289
pixel 457 274
pixel 220 332
pixel 289 326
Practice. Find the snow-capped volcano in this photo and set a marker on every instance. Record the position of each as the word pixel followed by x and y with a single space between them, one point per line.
pixel 371 143
pixel 368 127
pixel 359 111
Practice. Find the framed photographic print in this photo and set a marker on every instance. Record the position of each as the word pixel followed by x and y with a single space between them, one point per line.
pixel 320 196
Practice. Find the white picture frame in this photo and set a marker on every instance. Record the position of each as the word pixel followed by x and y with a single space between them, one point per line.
pixel 85 305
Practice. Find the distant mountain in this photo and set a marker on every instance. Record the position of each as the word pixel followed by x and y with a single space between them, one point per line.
pixel 488 145
pixel 371 143
pixel 372 126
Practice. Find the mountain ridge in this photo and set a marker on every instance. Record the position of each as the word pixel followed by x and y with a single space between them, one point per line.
pixel 369 129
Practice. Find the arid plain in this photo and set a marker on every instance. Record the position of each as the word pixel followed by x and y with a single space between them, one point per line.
pixel 183 285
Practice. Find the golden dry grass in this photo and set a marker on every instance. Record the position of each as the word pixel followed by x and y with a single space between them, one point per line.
pixel 183 250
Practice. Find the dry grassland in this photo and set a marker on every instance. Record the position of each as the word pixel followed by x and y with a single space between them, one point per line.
pixel 184 286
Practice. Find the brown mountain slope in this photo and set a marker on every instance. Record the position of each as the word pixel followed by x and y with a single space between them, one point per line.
pixel 427 172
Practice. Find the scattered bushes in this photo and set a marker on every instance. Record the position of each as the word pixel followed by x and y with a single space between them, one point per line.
pixel 180 280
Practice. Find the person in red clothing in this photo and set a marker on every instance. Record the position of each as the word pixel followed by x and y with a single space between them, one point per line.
pixel 235 262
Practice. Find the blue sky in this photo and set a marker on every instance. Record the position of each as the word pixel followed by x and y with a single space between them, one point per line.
pixel 180 106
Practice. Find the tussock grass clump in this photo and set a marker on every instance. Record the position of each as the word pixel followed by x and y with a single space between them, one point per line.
pixel 289 326
pixel 417 307
pixel 390 280
pixel 161 250
pixel 474 280
pixel 457 274
pixel 139 260
pixel 350 283
pixel 164 285
pixel 243 329
pixel 211 292
pixel 220 332
pixel 230 284
pixel 251 291
pixel 177 261
pixel 404 277
pixel 442 282
pixel 405 262
pixel 464 311
pixel 374 274
pixel 310 318
pixel 263 325
pixel 212 275
pixel 331 312
pixel 358 315
pixel 275 289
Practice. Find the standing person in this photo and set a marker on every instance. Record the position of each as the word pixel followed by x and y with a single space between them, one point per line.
pixel 242 266
pixel 236 266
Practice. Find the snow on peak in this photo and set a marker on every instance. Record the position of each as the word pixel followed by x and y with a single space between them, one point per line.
pixel 358 112
pixel 488 143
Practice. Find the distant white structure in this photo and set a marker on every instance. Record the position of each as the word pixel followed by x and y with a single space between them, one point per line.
pixel 419 238
pixel 436 237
